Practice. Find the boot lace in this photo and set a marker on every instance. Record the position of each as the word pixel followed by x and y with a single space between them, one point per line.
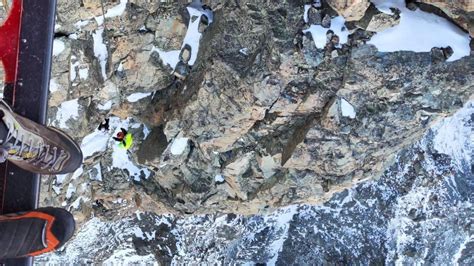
pixel 37 153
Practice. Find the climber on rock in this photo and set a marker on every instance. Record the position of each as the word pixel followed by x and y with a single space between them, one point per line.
pixel 124 138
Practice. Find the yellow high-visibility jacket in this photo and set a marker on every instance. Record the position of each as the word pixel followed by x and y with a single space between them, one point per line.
pixel 128 141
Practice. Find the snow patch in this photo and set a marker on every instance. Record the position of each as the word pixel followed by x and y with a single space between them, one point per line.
pixel 66 111
pixel 419 31
pixel 72 68
pixel 121 160
pixel 77 173
pixel 170 58
pixel 193 36
pixel 179 146
pixel 53 86
pixel 219 179
pixel 115 11
pixel 81 23
pixel 100 51
pixel 71 189
pixel 319 33
pixel 305 15
pixel 347 109
pixel 106 106
pixel 84 73
pixel 137 96
pixel 120 157
pixel 58 47
pixel 94 143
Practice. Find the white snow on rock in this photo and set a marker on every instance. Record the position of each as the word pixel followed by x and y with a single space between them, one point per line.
pixel 419 31
pixel 305 15
pixel 121 160
pixel 77 173
pixel 98 174
pixel 282 219
pixel 58 47
pixel 462 248
pixel 60 178
pixel 66 111
pixel 219 179
pixel 319 33
pixel 100 50
pixel 115 11
pixel 106 106
pixel 120 157
pixel 385 5
pixel 179 146
pixel 130 257
pixel 70 190
pixel 455 137
pixel 137 96
pixel 347 109
pixel 100 141
pixel 84 73
pixel 170 58
pixel 53 86
pixel 73 68
pixel 77 203
pixel 94 143
pixel 193 36
pixel 81 23
pixel 56 189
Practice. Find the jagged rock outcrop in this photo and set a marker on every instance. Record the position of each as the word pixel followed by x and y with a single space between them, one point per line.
pixel 419 211
pixel 351 10
pixel 461 11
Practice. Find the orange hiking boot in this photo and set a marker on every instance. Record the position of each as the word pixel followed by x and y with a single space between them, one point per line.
pixel 34 232
pixel 37 148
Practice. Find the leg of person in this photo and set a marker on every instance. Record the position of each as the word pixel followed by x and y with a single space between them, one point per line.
pixel 37 148
pixel 34 232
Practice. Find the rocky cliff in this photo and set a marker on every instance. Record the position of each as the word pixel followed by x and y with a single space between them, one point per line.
pixel 293 135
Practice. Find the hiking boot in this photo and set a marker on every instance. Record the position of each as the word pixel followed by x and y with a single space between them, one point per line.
pixel 37 148
pixel 34 232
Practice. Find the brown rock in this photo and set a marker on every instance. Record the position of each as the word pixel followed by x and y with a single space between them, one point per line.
pixel 351 10
pixel 461 11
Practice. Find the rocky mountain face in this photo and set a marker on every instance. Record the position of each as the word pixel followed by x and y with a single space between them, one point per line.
pixel 285 144
pixel 419 211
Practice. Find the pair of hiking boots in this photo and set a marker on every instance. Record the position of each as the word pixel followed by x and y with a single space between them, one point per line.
pixel 43 150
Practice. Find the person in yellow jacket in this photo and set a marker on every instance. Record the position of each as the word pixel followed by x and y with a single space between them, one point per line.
pixel 124 138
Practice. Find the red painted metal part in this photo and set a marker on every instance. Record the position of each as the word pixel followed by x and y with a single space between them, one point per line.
pixel 9 41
